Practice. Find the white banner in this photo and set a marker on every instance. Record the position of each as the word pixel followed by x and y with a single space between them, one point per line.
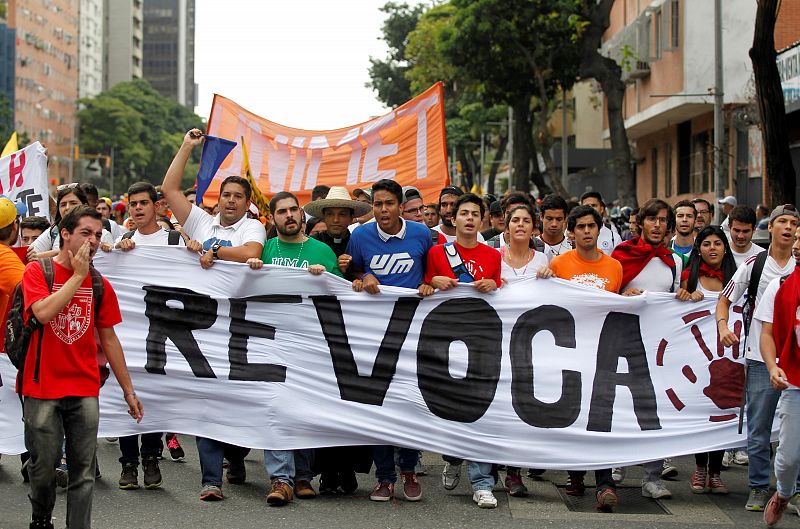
pixel 541 373
pixel 23 177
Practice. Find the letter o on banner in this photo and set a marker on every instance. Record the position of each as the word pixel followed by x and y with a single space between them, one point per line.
pixel 460 399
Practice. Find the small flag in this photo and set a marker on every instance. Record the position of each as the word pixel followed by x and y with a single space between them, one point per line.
pixel 11 146
pixel 256 198
pixel 215 150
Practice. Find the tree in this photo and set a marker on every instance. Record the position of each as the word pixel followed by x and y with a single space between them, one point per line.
pixel 608 74
pixel 144 129
pixel 387 77
pixel 517 49
pixel 780 175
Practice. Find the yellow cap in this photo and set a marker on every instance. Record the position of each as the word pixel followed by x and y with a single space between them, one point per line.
pixel 8 212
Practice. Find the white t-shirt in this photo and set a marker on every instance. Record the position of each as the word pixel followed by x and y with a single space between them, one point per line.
pixel 740 258
pixel 117 231
pixel 205 228
pixel 551 251
pixel 608 240
pixel 539 260
pixel 451 238
pixel 656 276
pixel 161 237
pixel 737 287
pixel 766 309
pixel 355 225
pixel 45 243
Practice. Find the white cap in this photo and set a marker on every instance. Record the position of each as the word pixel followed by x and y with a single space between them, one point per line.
pixel 729 200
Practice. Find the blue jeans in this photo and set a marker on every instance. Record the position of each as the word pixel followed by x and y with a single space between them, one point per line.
pixel 47 421
pixel 211 452
pixel 289 465
pixel 383 455
pixel 787 457
pixel 762 399
pixel 480 475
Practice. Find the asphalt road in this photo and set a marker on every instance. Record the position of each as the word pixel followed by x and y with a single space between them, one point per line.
pixel 176 504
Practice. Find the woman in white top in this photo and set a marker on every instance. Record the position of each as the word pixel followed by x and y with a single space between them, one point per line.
pixel 49 242
pixel 711 266
pixel 519 257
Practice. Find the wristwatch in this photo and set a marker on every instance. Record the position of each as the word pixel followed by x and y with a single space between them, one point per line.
pixel 215 249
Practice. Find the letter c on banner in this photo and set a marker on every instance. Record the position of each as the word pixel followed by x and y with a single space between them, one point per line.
pixel 460 399
pixel 563 412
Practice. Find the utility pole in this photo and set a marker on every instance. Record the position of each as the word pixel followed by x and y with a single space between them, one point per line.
pixel 720 177
pixel 564 151
pixel 511 149
pixel 483 155
pixel 111 174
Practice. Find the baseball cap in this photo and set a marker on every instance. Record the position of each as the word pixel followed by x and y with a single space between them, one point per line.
pixel 8 212
pixel 786 209
pixel 729 200
pixel 410 193
pixel 495 208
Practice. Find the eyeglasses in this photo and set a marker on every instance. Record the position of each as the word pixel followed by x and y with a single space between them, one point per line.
pixel 413 211
pixel 68 186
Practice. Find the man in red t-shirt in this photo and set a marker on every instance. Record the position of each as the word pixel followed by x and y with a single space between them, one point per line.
pixel 61 380
pixel 465 261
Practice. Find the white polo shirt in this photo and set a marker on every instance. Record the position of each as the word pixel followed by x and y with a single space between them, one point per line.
pixel 207 229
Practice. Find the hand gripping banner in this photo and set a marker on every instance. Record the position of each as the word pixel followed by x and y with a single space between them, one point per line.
pixel 406 145
pixel 540 374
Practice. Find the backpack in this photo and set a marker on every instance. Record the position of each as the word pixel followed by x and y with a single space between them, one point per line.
pixel 752 290
pixel 173 237
pixel 18 334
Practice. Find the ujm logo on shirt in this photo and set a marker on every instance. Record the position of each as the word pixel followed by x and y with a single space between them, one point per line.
pixel 391 263
pixel 73 321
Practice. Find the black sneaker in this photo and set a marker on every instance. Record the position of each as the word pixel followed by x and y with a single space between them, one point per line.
pixel 236 472
pixel 41 523
pixel 348 482
pixel 329 484
pixel 129 478
pixel 152 474
pixel 176 452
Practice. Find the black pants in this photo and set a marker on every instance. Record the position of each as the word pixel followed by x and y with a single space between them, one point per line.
pixel 711 459
pixel 602 477
pixel 129 446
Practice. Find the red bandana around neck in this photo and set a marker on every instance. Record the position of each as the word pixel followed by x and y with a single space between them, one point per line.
pixel 787 301
pixel 705 271
pixel 635 254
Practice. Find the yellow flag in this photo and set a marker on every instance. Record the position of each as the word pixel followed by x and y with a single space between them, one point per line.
pixel 11 146
pixel 476 189
pixel 257 198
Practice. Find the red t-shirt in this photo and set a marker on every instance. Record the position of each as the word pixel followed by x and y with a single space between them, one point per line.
pixel 483 262
pixel 68 366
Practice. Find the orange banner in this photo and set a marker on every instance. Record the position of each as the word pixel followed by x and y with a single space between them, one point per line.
pixel 406 145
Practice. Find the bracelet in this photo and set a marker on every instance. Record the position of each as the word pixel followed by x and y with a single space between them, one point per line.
pixel 721 320
pixel 131 394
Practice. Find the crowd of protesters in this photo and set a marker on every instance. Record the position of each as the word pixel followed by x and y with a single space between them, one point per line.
pixel 388 236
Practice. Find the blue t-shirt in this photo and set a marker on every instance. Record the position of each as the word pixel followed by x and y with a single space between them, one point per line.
pixel 396 261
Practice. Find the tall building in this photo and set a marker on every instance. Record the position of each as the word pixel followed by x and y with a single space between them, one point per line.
pixel 122 48
pixel 7 55
pixel 169 49
pixel 90 50
pixel 47 77
pixel 666 49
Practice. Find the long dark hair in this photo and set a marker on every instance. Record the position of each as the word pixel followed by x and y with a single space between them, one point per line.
pixel 728 265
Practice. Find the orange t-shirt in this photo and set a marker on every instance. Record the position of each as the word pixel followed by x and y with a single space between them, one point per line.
pixel 11 269
pixel 605 273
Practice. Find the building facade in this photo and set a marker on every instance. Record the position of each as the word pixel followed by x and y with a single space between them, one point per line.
pixel 122 42
pixel 169 49
pixel 7 68
pixel 90 50
pixel 666 49
pixel 46 77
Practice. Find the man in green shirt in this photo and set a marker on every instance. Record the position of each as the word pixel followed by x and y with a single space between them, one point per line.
pixel 291 469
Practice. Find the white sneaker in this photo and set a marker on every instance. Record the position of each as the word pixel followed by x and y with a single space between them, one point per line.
pixel 485 499
pixel 655 490
pixel 618 475
pixel 669 470
pixel 741 458
pixel 727 459
pixel 451 475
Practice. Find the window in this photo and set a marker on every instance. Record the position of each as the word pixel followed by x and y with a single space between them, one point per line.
pixel 658 40
pixel 675 13
pixel 654 172
pixel 700 163
pixel 668 169
pixel 684 157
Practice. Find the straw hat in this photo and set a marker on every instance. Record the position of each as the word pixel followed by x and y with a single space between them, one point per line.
pixel 338 197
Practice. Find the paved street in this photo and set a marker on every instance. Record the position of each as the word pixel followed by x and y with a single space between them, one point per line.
pixel 176 505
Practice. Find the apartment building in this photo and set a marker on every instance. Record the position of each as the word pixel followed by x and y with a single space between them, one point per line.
pixel 122 48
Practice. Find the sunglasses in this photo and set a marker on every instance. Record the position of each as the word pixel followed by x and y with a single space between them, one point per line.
pixel 73 185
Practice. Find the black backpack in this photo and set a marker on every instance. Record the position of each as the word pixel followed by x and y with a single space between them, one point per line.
pixel 173 237
pixel 18 334
pixel 752 290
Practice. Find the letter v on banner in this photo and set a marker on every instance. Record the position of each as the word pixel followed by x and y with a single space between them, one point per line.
pixel 407 144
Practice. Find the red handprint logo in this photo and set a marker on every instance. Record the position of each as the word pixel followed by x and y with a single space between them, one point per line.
pixel 726 381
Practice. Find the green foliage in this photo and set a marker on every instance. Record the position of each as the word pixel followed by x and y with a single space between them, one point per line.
pixel 144 128
pixel 387 76
pixel 6 121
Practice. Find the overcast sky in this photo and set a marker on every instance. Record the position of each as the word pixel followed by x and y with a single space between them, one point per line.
pixel 301 63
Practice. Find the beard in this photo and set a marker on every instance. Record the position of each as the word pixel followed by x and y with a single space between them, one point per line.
pixel 294 230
